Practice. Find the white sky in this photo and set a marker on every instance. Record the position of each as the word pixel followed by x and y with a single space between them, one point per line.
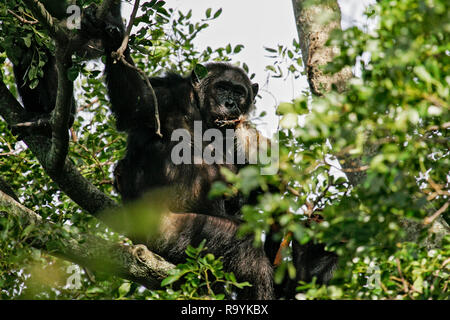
pixel 257 24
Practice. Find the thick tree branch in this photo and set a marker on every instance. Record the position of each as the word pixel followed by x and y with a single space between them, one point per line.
pixel 124 44
pixel 71 182
pixel 62 112
pixel 315 21
pixel 135 262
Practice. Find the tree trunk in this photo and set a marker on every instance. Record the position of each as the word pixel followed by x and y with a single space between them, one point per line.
pixel 315 20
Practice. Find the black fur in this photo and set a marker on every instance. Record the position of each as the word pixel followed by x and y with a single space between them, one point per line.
pixel 225 94
pixel 39 101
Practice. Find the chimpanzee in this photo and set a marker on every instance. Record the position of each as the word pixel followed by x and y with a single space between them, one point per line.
pixel 224 95
pixel 220 100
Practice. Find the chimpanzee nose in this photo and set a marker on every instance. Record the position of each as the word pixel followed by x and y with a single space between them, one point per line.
pixel 230 104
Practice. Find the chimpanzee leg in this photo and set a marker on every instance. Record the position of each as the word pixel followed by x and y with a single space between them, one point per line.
pixel 238 254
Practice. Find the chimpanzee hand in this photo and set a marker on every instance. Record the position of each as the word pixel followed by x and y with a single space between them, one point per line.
pixel 110 30
pixel 91 27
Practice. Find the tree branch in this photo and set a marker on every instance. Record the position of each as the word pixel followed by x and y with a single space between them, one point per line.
pixel 71 182
pixel 132 262
pixel 23 20
pixel 432 218
pixel 56 31
pixel 61 114
pixel 315 21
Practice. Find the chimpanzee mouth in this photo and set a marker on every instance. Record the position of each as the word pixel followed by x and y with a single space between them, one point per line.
pixel 230 122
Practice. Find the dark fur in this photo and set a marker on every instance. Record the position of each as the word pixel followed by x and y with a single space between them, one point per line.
pixel 40 101
pixel 225 93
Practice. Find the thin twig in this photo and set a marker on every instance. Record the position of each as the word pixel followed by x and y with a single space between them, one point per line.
pixel 88 105
pixel 73 134
pixel 293 191
pixel 359 169
pixel 429 220
pixel 402 279
pixel 21 19
pixel 124 44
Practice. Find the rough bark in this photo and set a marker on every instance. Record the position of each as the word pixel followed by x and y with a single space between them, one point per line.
pixel 132 262
pixel 315 21
pixel 135 263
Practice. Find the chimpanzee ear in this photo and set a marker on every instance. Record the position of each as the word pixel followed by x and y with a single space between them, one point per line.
pixel 255 88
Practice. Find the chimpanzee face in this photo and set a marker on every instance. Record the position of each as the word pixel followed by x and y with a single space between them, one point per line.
pixel 226 93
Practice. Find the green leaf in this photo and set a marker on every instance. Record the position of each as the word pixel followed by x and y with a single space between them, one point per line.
pixel 200 71
pixel 218 13
pixel 170 279
pixel 72 73
pixel 27 41
pixel 238 48
pixel 124 289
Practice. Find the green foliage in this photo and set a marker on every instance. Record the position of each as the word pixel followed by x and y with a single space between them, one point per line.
pixel 165 38
pixel 199 278
pixel 163 41
pixel 283 56
pixel 392 121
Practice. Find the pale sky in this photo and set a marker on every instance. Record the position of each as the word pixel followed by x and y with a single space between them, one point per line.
pixel 257 24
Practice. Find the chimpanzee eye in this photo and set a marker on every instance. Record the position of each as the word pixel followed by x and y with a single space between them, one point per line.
pixel 239 92
pixel 222 87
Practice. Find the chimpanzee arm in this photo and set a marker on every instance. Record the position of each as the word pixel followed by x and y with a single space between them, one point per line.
pixel 131 98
